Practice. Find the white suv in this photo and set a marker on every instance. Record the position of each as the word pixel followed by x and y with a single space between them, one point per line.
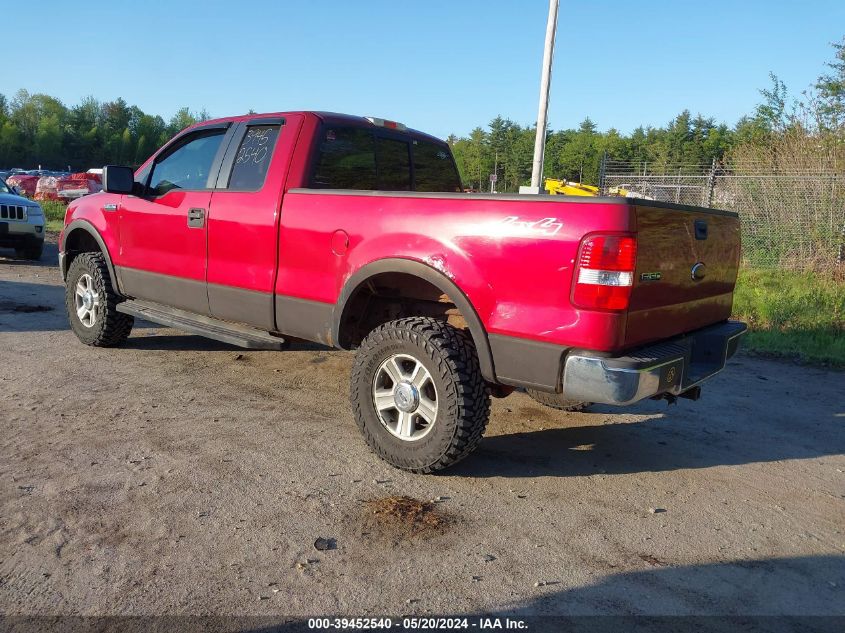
pixel 21 223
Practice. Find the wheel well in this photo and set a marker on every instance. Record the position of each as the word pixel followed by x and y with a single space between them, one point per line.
pixel 389 296
pixel 79 241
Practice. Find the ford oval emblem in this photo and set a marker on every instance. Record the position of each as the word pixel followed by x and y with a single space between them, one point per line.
pixel 698 272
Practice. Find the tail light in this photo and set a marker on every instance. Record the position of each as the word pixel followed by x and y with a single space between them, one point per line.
pixel 604 273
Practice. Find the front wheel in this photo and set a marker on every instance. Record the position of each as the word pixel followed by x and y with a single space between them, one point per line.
pixel 92 303
pixel 418 395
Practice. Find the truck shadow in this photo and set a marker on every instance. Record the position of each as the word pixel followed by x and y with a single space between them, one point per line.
pixel 681 437
pixel 153 341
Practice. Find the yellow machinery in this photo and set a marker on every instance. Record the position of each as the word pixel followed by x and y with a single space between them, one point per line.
pixel 566 188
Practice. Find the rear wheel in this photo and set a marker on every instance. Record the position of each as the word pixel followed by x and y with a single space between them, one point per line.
pixel 92 303
pixel 418 395
pixel 557 401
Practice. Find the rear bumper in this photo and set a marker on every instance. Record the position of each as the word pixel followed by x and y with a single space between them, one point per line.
pixel 670 367
pixel 673 366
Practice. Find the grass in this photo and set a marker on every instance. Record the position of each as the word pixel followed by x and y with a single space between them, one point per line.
pixel 53 210
pixel 793 315
pixel 54 213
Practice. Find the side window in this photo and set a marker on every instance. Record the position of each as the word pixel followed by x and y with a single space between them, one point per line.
pixel 346 159
pixel 394 164
pixel 188 165
pixel 434 169
pixel 253 158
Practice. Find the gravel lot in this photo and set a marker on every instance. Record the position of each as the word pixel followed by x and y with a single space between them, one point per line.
pixel 183 476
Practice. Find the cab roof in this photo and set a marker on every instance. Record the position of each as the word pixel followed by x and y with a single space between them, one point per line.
pixel 336 118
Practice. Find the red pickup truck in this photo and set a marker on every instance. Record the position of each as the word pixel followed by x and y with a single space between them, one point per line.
pixel 353 232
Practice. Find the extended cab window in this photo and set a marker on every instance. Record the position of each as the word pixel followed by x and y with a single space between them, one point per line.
pixel 434 169
pixel 188 164
pixel 253 158
pixel 346 159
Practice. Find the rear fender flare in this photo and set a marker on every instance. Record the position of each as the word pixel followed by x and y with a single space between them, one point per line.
pixel 432 276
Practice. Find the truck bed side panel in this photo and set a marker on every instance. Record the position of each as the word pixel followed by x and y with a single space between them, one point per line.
pixel 512 256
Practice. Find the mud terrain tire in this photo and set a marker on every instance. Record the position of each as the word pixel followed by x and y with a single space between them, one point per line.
pixel 443 360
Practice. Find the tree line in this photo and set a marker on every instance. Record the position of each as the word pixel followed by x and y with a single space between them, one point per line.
pixel 783 130
pixel 37 129
pixel 507 149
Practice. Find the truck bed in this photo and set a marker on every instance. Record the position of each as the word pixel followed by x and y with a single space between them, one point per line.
pixel 515 255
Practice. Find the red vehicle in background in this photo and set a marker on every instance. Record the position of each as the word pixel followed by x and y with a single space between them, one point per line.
pixel 67 187
pixel 25 184
pixel 355 233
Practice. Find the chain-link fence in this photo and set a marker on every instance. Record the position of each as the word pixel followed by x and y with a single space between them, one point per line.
pixel 790 219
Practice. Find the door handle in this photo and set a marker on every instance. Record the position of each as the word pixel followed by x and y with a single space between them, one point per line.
pixel 196 218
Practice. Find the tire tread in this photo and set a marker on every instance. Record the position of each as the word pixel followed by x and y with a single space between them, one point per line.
pixel 456 360
pixel 117 325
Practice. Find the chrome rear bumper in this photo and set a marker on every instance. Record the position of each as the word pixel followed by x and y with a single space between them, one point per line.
pixel 670 367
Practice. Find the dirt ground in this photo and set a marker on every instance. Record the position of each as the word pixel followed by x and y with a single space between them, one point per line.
pixel 183 476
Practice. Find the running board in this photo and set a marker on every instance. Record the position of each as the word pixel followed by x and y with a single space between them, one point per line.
pixel 209 327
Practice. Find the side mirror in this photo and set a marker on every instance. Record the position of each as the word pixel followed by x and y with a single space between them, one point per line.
pixel 117 179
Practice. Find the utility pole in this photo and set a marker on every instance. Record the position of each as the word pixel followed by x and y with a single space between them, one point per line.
pixel 542 115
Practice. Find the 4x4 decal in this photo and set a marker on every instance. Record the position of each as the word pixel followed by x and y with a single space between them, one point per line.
pixel 546 226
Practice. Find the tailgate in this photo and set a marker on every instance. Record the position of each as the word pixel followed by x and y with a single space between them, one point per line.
pixel 687 261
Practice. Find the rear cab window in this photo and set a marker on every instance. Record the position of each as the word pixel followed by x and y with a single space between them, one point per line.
pixel 371 159
pixel 434 168
pixel 346 159
pixel 393 164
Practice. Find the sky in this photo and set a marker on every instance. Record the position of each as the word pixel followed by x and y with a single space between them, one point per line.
pixel 441 66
